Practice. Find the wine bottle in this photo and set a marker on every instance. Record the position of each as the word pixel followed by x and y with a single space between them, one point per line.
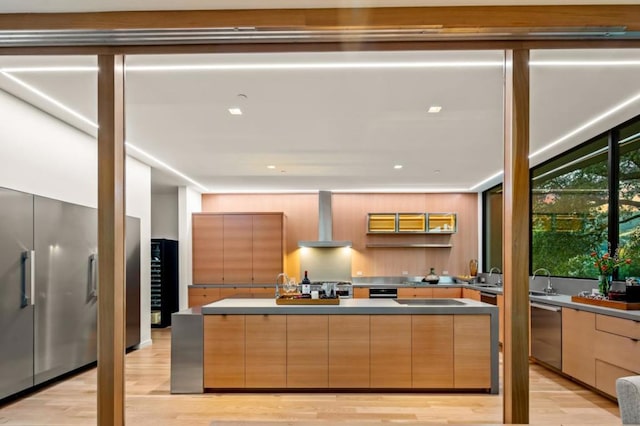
pixel 305 280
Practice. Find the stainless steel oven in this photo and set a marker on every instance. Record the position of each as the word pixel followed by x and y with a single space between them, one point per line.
pixel 383 293
pixel 546 334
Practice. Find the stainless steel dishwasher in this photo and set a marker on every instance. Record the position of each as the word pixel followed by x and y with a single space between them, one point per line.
pixel 546 334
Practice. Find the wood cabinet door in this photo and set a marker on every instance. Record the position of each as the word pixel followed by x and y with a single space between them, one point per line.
pixel 501 320
pixel 307 351
pixel 361 292
pixel 349 351
pixel 266 351
pixel 267 248
pixel 607 374
pixel 472 351
pixel 224 351
pixel 432 351
pixel 422 292
pixel 238 248
pixel 390 351
pixel 578 338
pixel 199 296
pixel 207 239
pixel 447 293
pixel 469 293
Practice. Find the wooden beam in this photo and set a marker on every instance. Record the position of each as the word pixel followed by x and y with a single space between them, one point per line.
pixel 111 259
pixel 516 238
pixel 577 16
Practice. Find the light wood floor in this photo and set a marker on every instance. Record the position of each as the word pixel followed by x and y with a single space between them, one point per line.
pixel 554 401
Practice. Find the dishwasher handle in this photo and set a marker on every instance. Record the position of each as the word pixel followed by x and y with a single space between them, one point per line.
pixel 546 307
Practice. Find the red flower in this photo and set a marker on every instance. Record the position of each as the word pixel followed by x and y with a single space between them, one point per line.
pixel 605 256
pixel 594 254
pixel 627 261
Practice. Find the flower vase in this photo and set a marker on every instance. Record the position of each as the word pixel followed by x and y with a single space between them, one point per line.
pixel 603 284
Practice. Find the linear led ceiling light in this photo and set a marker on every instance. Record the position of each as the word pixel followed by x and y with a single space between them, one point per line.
pixel 165 165
pixel 49 98
pixel 590 63
pixel 76 114
pixel 489 179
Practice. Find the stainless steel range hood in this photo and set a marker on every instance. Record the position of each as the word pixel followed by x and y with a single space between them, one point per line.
pixel 325 225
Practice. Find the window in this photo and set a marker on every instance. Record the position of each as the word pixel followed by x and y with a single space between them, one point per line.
pixel 629 198
pixel 570 207
pixel 492 202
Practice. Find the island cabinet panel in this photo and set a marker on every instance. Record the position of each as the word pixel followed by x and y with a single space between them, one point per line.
pixel 447 293
pixel 207 237
pixel 307 351
pixel 432 351
pixel 472 351
pixel 267 247
pixel 237 243
pixel 578 340
pixel 266 351
pixel 469 293
pixel 224 351
pixel 199 296
pixel 349 351
pixel 391 351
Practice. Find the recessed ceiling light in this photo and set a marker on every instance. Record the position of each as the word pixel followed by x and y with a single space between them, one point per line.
pixel 397 166
pixel 434 109
pixel 271 167
pixel 235 111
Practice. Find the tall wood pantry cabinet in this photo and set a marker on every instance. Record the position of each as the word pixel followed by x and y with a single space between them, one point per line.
pixel 237 248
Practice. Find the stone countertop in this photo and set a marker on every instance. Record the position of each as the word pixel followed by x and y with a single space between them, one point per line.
pixel 346 306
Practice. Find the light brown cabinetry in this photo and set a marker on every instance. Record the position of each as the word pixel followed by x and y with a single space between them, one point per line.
pixel 472 351
pixel 391 351
pixel 307 351
pixel 349 351
pixel 207 234
pixel 241 248
pixel 578 339
pixel 617 350
pixel 199 296
pixel 432 351
pixel 501 318
pixel 267 247
pixel 470 293
pixel 447 293
pixel 224 351
pixel 265 351
pixel 237 248
pixel 361 292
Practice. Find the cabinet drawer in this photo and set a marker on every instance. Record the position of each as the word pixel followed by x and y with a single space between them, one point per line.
pixel 445 293
pixel 617 350
pixel 606 375
pixel 202 296
pixel 619 326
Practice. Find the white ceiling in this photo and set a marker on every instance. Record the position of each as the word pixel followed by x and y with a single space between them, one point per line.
pixel 337 129
pixel 17 6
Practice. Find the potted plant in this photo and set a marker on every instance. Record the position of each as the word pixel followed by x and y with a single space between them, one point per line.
pixel 606 263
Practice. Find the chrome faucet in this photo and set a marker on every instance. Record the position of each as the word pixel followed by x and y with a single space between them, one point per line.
pixel 286 280
pixel 549 288
pixel 499 282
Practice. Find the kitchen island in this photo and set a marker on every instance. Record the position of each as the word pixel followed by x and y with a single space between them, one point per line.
pixel 360 344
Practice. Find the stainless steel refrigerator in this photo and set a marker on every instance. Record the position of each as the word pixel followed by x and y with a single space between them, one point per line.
pixel 49 288
pixel 16 310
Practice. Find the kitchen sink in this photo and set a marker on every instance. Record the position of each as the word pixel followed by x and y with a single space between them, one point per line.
pixel 540 293
pixel 429 302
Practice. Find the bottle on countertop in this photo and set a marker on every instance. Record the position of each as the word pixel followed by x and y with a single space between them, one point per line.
pixel 432 278
pixel 305 280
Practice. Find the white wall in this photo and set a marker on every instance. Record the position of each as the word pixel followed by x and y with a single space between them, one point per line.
pixel 189 201
pixel 42 155
pixel 164 215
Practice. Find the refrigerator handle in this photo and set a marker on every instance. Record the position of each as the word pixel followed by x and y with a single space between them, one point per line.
pixel 27 256
pixel 93 273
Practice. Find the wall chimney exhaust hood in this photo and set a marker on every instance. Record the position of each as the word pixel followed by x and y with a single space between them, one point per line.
pixel 325 225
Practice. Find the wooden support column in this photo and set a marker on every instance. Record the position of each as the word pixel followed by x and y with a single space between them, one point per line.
pixel 111 254
pixel 516 237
